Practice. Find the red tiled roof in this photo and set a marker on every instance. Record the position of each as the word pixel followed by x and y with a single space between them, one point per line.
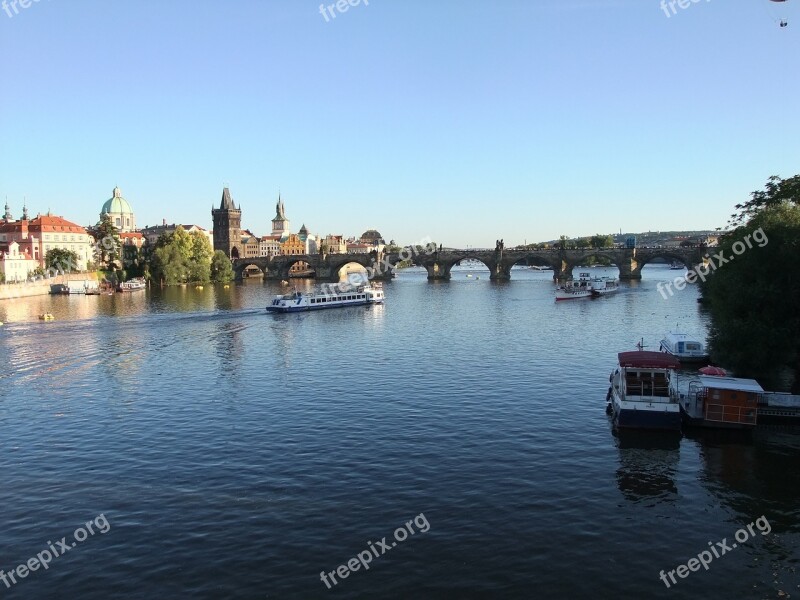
pixel 51 223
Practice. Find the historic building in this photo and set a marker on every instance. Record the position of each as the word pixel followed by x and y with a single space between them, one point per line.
pixel 228 226
pixel 45 232
pixel 120 211
pixel 293 245
pixel 16 265
pixel 280 224
pixel 335 244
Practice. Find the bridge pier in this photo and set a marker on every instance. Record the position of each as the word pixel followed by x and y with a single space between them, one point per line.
pixel 437 272
pixel 562 271
pixel 629 267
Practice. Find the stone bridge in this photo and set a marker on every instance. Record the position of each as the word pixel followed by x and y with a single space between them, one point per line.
pixel 439 263
pixel 326 267
pixel 629 261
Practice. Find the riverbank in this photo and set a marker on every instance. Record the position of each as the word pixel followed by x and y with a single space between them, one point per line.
pixel 40 287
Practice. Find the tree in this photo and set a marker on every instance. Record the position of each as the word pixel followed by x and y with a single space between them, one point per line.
pixel 777 191
pixel 108 246
pixel 61 259
pixel 602 241
pixel 755 327
pixel 200 257
pixel 221 270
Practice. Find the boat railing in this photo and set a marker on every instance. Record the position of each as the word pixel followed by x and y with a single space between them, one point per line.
pixel 725 413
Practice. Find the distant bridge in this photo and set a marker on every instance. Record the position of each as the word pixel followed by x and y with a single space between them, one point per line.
pixel 439 263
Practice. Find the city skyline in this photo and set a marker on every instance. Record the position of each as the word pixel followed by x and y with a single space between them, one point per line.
pixel 462 123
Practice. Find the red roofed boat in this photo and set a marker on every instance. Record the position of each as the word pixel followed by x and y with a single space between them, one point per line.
pixel 643 393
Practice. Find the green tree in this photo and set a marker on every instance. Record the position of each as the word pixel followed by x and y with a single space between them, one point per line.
pixel 61 259
pixel 199 257
pixel 108 248
pixel 602 241
pixel 755 327
pixel 221 270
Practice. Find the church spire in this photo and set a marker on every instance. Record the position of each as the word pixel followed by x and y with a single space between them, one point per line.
pixel 8 216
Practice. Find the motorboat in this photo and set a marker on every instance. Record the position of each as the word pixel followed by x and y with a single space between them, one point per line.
pixel 683 347
pixel 643 392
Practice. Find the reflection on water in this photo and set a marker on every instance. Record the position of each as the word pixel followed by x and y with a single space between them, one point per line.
pixel 648 462
pixel 237 453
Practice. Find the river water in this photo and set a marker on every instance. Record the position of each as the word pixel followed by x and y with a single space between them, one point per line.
pixel 237 454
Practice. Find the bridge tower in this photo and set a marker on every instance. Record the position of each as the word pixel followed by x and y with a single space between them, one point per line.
pixel 227 226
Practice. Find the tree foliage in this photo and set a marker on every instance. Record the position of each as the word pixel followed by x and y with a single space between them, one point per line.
pixel 61 259
pixel 776 192
pixel 182 257
pixel 108 247
pixel 755 328
pixel 221 270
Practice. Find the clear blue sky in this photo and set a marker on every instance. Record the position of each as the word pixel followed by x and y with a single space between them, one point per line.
pixel 462 120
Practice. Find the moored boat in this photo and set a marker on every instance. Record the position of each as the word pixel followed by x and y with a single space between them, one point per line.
pixel 337 296
pixel 643 392
pixel 683 347
pixel 721 402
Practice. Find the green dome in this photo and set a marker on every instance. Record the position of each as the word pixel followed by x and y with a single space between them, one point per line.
pixel 116 204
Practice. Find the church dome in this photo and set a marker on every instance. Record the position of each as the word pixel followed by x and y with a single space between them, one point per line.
pixel 116 204
pixel 373 236
pixel 119 211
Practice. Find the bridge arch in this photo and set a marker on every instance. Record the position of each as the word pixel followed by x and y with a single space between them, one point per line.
pixel 240 266
pixel 644 258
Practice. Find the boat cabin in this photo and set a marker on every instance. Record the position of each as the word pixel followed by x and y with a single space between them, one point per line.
pixel 645 375
pixel 724 400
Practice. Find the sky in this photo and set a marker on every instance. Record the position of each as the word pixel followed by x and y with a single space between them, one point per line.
pixel 462 121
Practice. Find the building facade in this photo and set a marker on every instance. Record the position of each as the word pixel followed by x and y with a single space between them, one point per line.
pixel 37 236
pixel 16 265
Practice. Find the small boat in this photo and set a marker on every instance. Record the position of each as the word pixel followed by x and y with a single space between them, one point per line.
pixel 46 317
pixel 334 296
pixel 721 402
pixel 132 285
pixel 643 392
pixel 676 266
pixel 683 347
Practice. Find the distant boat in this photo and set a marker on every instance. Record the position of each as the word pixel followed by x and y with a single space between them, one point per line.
pixel 676 266
pixel 587 286
pixel 132 285
pixel 683 347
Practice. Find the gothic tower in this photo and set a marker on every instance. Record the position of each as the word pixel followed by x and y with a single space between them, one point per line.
pixel 280 224
pixel 227 226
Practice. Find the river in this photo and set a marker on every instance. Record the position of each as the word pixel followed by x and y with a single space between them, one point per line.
pixel 238 454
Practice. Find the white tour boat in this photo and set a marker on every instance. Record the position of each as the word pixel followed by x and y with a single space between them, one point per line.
pixel 683 347
pixel 643 392
pixel 587 286
pixel 336 296
pixel 132 285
